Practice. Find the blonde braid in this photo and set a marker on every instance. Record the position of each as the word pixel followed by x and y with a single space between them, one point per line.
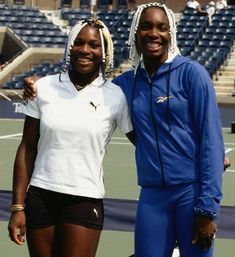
pixel 106 44
pixel 108 49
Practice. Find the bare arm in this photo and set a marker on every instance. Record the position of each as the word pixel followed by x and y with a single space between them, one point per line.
pixel 23 168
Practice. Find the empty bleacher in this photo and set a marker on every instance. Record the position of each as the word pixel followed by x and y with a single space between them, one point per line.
pixel 32 26
pixel 211 45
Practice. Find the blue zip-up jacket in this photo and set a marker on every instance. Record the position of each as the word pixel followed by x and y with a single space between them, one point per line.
pixel 178 128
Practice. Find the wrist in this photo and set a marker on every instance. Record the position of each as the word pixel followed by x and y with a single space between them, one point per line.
pixel 208 214
pixel 17 207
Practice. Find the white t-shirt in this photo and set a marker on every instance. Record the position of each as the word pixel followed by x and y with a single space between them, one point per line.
pixel 75 128
pixel 193 4
pixel 221 4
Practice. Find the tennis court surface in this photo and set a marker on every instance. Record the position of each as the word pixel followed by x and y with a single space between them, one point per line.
pixel 121 195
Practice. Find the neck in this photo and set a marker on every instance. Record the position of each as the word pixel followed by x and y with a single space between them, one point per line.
pixel 151 68
pixel 80 80
pixel 152 65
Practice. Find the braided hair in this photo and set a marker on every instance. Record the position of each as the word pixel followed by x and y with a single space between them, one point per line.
pixel 173 50
pixel 106 44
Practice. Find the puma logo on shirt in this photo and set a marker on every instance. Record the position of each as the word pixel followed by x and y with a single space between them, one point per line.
pixel 95 106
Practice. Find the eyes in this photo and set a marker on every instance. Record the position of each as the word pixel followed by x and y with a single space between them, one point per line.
pixel 162 27
pixel 94 44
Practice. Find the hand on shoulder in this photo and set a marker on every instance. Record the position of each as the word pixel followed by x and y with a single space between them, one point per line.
pixel 29 87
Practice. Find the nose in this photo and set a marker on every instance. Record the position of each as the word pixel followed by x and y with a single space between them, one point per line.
pixel 85 49
pixel 154 32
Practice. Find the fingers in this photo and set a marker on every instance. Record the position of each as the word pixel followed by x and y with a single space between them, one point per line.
pixel 28 93
pixel 205 232
pixel 16 227
pixel 17 235
pixel 29 88
pixel 227 163
pixel 204 242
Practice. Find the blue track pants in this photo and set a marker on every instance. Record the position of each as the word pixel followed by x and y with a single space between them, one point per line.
pixel 165 215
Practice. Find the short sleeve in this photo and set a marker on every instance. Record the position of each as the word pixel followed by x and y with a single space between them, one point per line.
pixel 123 115
pixel 30 108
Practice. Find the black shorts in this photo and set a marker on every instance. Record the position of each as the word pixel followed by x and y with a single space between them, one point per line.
pixel 45 208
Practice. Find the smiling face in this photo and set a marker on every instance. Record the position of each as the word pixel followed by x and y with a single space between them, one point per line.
pixel 153 36
pixel 86 52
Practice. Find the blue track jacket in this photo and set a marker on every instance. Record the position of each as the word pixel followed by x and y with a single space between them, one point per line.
pixel 178 128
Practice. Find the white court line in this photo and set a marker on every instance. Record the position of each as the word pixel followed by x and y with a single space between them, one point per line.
pixel 111 142
pixel 120 138
pixel 10 136
pixel 119 143
pixel 114 143
pixel 229 150
pixel 230 171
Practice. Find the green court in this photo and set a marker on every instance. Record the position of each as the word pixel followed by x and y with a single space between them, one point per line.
pixel 120 182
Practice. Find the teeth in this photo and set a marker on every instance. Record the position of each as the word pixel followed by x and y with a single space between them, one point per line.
pixel 84 60
pixel 152 45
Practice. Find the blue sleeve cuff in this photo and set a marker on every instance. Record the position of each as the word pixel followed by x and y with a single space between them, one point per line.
pixel 199 211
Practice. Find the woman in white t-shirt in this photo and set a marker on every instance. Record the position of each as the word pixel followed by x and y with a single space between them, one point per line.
pixel 58 185
pixel 193 4
pixel 221 4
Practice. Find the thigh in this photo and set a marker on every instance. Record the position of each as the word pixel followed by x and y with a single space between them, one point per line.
pixel 40 224
pixel 79 226
pixel 187 199
pixel 41 242
pixel 154 231
pixel 78 241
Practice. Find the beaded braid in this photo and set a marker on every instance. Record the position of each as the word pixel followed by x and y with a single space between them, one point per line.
pixel 106 44
pixel 134 55
pixel 107 49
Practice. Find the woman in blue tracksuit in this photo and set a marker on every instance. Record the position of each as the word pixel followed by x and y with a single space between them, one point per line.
pixel 179 142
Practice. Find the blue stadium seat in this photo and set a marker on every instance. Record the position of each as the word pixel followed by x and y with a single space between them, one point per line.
pixel 66 3
pixel 102 4
pixel 225 24
pixel 231 32
pixel 122 4
pixel 204 43
pixel 202 59
pixel 194 55
pixel 221 31
pixel 84 4
pixel 210 30
pixel 213 44
pixel 3 19
pixel 189 11
pixel 226 44
pixel 185 50
pixel 207 36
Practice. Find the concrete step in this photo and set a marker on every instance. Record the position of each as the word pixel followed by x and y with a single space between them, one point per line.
pixel 226 79
pixel 229 68
pixel 223 90
pixel 221 94
pixel 230 62
pixel 222 73
pixel 223 83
